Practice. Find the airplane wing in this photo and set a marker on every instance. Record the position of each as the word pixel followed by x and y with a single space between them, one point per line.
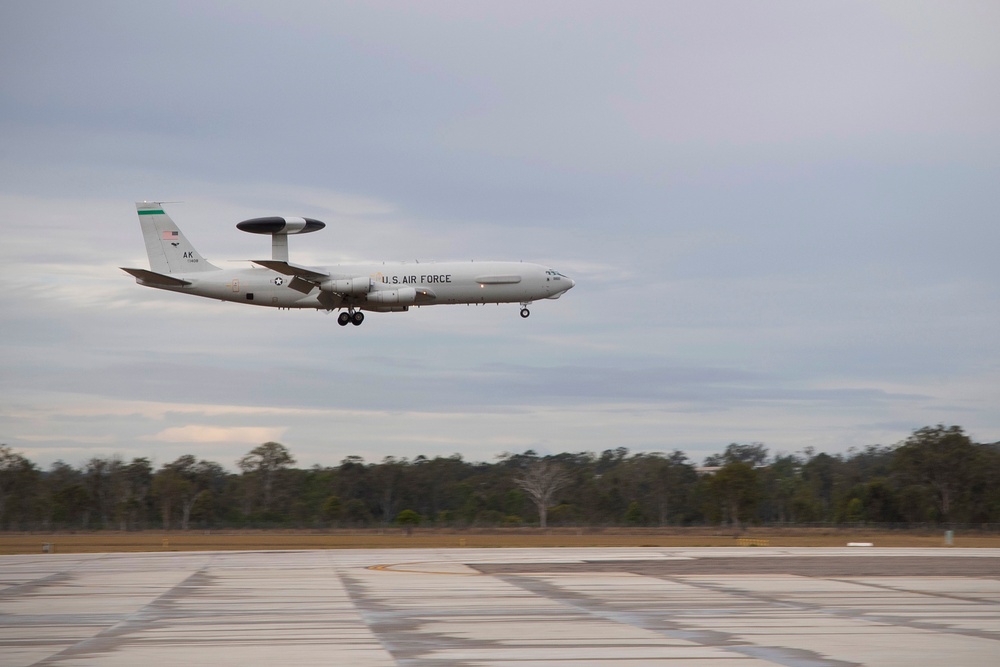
pixel 153 278
pixel 289 269
pixel 304 279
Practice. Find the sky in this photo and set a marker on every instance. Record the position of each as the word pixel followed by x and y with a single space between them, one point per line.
pixel 781 218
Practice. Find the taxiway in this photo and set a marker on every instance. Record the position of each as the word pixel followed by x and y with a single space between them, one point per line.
pixel 718 607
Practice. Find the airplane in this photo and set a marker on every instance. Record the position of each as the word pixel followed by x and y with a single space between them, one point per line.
pixel 176 266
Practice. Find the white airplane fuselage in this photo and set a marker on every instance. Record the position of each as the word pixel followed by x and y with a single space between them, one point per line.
pixel 176 266
pixel 443 283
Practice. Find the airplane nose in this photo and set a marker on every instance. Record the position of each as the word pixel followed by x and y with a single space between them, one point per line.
pixel 567 285
pixel 559 285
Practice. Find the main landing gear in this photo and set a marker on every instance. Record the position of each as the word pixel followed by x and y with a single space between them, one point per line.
pixel 524 309
pixel 355 317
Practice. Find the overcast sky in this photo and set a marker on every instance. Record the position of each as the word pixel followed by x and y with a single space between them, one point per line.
pixel 782 220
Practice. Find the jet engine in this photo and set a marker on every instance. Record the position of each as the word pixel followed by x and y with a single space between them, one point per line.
pixel 350 287
pixel 401 296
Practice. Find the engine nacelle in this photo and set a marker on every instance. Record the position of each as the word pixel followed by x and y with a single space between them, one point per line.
pixel 401 296
pixel 350 287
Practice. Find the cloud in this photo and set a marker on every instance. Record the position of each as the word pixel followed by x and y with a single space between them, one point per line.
pixel 62 437
pixel 200 433
pixel 784 234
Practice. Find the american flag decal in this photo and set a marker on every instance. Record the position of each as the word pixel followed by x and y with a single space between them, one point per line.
pixel 169 236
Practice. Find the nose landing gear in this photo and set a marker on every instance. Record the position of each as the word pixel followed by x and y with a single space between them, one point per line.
pixel 524 309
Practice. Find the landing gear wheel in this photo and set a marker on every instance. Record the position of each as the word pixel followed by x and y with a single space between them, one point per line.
pixel 525 312
pixel 357 318
pixel 343 319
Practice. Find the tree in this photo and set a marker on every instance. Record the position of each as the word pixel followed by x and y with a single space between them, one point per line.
pixel 754 455
pixel 356 512
pixel 184 483
pixel 565 514
pixel 132 484
pixel 880 501
pixel 734 488
pixel 943 460
pixel 99 477
pixel 987 500
pixel 669 480
pixel 541 480
pixel 67 500
pixel 437 483
pixel 634 515
pixel 855 511
pixel 782 480
pixel 937 474
pixel 332 509
pixel 18 481
pixel 819 476
pixel 264 463
pixel 387 479
pixel 408 519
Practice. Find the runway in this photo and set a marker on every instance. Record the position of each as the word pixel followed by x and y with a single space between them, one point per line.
pixel 719 607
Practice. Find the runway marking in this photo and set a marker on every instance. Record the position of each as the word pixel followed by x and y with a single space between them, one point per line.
pixel 399 567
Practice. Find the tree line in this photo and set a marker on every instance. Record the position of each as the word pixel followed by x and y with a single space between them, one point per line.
pixel 936 476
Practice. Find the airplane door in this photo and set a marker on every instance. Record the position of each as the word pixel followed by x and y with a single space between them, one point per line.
pixel 236 284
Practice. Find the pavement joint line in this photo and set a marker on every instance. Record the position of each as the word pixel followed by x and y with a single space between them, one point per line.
pixel 23 587
pixel 671 629
pixel 125 625
pixel 961 598
pixel 855 614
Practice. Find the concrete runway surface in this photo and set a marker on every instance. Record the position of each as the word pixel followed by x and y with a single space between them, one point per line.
pixel 720 607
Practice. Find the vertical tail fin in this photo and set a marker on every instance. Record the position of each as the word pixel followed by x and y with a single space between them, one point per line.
pixel 168 249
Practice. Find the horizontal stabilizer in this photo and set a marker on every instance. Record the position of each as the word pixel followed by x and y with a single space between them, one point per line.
pixel 290 269
pixel 153 278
